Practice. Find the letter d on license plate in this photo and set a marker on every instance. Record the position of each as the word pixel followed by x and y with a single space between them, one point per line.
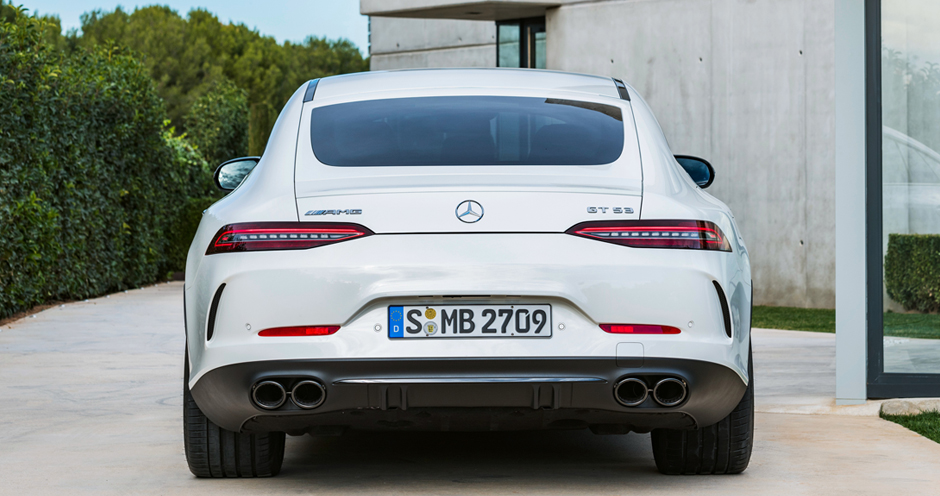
pixel 470 321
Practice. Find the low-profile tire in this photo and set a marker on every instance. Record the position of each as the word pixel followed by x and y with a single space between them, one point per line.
pixel 212 451
pixel 723 448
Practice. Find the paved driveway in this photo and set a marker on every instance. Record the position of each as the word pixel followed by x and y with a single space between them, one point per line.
pixel 90 402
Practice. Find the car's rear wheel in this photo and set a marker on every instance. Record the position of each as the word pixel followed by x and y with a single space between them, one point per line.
pixel 723 448
pixel 212 451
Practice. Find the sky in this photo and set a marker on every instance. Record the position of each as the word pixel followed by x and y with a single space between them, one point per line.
pixel 291 20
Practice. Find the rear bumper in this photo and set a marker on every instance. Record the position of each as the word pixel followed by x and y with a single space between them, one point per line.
pixel 352 284
pixel 467 394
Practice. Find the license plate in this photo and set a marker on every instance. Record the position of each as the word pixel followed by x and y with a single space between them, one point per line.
pixel 470 321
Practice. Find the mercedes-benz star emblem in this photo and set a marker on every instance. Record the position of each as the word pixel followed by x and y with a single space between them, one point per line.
pixel 469 211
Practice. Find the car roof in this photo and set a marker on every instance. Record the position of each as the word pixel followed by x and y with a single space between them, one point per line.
pixel 410 80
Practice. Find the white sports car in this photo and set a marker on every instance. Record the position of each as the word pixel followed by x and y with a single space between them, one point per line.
pixel 470 249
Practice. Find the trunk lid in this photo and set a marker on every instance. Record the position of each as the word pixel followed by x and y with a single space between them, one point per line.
pixel 470 210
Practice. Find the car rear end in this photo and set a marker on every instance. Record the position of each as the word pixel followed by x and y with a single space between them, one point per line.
pixel 436 279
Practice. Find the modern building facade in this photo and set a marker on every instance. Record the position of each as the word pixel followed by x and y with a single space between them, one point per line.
pixel 821 117
pixel 746 85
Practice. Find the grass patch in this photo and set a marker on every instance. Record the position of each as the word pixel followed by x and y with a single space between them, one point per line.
pixel 912 325
pixel 926 424
pixel 794 319
pixel 904 325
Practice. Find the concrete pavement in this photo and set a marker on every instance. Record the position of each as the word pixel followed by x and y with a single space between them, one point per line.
pixel 91 403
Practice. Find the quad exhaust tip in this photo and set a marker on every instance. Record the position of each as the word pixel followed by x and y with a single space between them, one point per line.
pixel 631 392
pixel 308 394
pixel 271 395
pixel 268 395
pixel 670 391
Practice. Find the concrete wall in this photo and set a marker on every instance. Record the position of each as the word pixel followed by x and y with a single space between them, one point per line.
pixel 748 85
pixel 411 43
pixel 490 10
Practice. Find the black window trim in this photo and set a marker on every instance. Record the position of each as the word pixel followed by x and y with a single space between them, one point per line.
pixel 622 90
pixel 311 90
pixel 620 117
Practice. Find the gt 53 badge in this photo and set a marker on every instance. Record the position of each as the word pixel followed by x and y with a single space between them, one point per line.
pixel 615 210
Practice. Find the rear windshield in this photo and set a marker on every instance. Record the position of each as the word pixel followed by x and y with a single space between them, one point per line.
pixel 467 130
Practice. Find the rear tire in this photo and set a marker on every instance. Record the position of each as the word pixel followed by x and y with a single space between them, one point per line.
pixel 723 448
pixel 212 451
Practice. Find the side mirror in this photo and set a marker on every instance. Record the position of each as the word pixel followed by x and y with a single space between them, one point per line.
pixel 230 174
pixel 699 169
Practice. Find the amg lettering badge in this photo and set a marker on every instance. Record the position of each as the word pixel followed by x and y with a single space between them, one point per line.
pixel 348 211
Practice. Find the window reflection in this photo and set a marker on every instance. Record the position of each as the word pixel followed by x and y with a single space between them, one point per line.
pixel 521 43
pixel 911 184
pixel 507 49
pixel 539 43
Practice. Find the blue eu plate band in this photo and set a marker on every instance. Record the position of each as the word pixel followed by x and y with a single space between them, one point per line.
pixel 396 322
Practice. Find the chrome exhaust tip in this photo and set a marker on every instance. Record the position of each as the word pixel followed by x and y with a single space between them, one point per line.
pixel 268 395
pixel 308 394
pixel 631 391
pixel 670 391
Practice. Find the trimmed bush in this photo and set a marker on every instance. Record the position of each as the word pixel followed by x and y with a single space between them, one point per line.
pixel 91 181
pixel 181 232
pixel 912 271
pixel 193 174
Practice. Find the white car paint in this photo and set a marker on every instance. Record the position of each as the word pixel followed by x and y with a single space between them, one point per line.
pixel 518 253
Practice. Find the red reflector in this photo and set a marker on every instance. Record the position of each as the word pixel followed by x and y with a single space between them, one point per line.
pixel 299 331
pixel 687 234
pixel 639 329
pixel 260 236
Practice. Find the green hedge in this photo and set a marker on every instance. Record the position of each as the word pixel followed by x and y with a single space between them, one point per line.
pixel 182 231
pixel 196 172
pixel 91 181
pixel 217 123
pixel 912 271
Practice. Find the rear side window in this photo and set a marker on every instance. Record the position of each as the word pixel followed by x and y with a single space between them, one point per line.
pixel 467 130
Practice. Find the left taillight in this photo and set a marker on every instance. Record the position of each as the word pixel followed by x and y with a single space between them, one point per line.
pixel 265 236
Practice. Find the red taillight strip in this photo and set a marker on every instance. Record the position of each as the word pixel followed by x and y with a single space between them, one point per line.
pixel 284 235
pixel 639 329
pixel 259 236
pixel 687 234
pixel 299 331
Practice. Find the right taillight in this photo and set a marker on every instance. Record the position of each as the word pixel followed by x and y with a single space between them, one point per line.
pixel 683 234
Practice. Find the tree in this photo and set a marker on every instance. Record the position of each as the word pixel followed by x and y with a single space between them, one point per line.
pixel 911 96
pixel 51 24
pixel 187 57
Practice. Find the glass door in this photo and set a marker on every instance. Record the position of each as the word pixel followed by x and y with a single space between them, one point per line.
pixel 904 223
